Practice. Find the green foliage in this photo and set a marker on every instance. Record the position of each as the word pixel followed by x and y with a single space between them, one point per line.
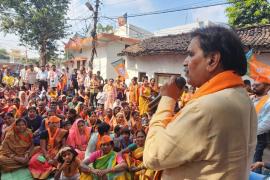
pixel 104 29
pixel 3 54
pixel 244 13
pixel 38 23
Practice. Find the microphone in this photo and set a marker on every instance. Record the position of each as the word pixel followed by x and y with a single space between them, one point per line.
pixel 180 83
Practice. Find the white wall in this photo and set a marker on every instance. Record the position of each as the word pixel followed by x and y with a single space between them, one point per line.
pixel 172 64
pixel 113 49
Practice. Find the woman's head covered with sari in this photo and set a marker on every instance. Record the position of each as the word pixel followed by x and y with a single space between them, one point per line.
pixel 77 129
pixel 120 119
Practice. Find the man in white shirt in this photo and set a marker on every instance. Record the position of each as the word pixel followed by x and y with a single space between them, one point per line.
pixel 53 77
pixel 31 76
pixel 22 76
pixel 42 79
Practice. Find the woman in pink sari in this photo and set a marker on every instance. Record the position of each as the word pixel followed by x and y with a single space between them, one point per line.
pixel 111 94
pixel 79 135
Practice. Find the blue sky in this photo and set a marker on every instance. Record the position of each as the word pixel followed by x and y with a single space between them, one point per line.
pixel 112 8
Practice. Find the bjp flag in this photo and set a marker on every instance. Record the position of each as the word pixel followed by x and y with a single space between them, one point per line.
pixel 119 67
pixel 257 70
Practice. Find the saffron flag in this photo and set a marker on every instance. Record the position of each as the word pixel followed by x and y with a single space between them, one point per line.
pixel 119 67
pixel 122 20
pixel 257 70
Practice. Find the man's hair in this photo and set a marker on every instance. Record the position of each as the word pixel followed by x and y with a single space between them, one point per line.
pixel 227 43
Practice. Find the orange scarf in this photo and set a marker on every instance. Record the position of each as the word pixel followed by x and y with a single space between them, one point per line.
pixel 224 80
pixel 52 138
pixel 261 103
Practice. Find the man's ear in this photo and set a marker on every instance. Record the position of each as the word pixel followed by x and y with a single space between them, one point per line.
pixel 213 61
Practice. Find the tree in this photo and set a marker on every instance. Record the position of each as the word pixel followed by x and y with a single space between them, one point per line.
pixel 38 23
pixel 244 13
pixel 104 29
pixel 4 54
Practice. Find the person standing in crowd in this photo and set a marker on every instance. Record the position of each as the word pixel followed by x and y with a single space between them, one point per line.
pixel 100 79
pixel 8 80
pixel 111 94
pixel 53 77
pixel 94 85
pixel 80 78
pixel 261 101
pixel 87 81
pixel 31 75
pixel 154 87
pixel 22 76
pixel 207 139
pixel 73 79
pixel 120 89
pixel 134 92
pixel 42 77
pixel 145 94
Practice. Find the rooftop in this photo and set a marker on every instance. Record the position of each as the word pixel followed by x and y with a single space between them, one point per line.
pixel 256 37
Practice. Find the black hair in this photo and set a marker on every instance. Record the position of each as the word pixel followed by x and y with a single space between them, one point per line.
pixel 125 131
pixel 10 114
pixel 81 120
pixel 21 120
pixel 103 128
pixel 117 129
pixel 247 82
pixel 227 43
pixel 142 131
pixel 32 108
pixel 72 111
pixel 72 150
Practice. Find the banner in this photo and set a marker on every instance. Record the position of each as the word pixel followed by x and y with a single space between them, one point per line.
pixel 257 70
pixel 122 20
pixel 119 67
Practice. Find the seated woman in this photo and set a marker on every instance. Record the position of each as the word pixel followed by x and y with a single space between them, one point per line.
pixel 51 141
pixel 8 121
pixel 134 158
pixel 94 143
pixel 105 163
pixel 16 150
pixel 78 137
pixel 34 122
pixel 120 120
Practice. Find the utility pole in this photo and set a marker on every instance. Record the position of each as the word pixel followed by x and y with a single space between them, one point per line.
pixel 94 31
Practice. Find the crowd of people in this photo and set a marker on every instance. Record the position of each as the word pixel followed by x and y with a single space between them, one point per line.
pixel 56 125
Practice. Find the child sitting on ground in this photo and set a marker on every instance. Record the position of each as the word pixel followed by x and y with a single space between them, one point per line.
pixel 68 164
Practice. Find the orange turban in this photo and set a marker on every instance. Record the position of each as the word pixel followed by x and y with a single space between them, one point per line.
pixel 105 139
pixel 54 119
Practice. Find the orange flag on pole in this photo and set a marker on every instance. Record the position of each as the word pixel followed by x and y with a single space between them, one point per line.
pixel 257 70
pixel 119 67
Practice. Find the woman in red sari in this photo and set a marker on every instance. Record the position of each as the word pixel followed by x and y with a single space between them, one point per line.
pixel 51 141
pixel 78 137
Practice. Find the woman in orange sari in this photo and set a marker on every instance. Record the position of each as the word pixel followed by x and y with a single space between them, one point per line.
pixel 145 94
pixel 78 137
pixel 51 141
pixel 16 147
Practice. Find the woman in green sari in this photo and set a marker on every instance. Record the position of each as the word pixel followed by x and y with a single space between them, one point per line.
pixel 104 164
